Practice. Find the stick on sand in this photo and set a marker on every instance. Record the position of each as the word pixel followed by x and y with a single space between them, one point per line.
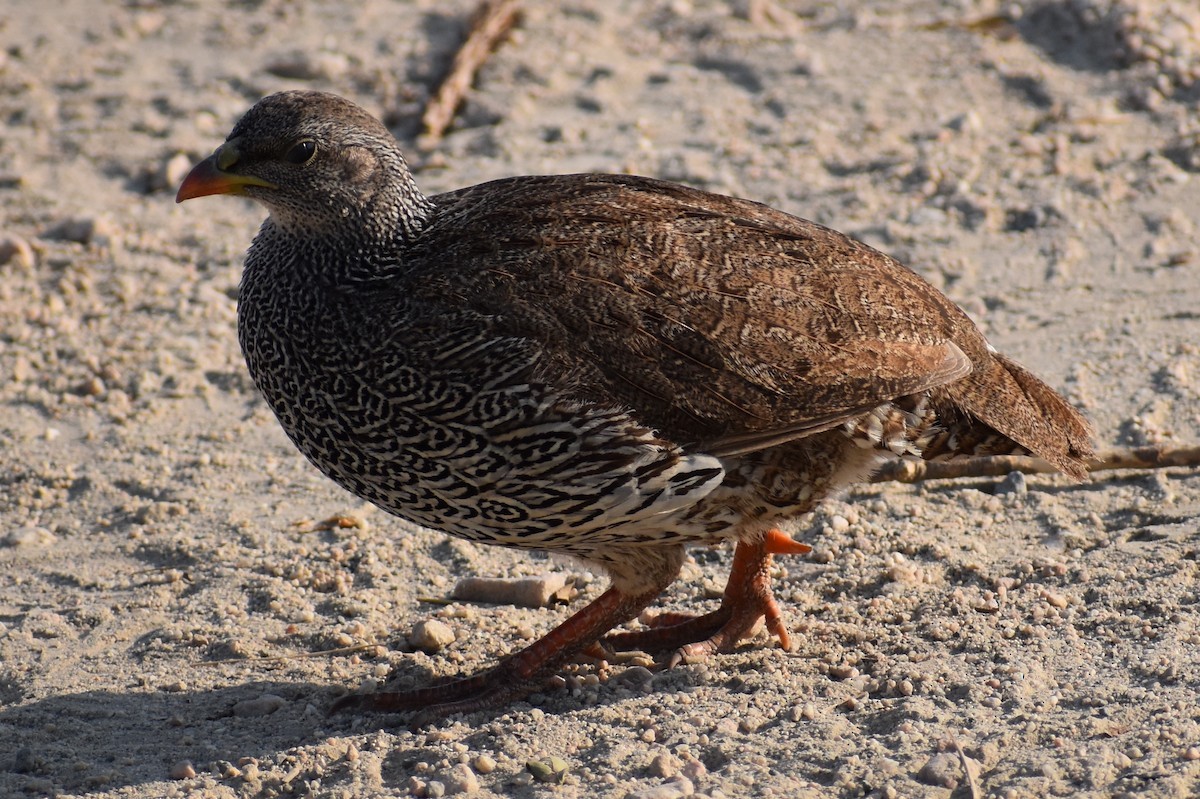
pixel 913 471
pixel 492 20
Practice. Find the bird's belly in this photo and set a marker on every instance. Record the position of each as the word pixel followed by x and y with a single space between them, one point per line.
pixel 500 465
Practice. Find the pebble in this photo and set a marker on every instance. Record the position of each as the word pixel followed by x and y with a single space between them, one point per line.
pixel 927 216
pixel 725 726
pixel 28 537
pixel 172 172
pixel 16 250
pixel 484 764
pixel 262 706
pixel 664 765
pixel 1013 483
pixel 526 592
pixel 942 770
pixel 552 770
pixel 637 676
pixel 693 769
pixel 460 780
pixel 303 65
pixel 965 122
pixel 431 636
pixel 805 712
pixel 82 230
pixel 183 770
pixel 148 23
pixel 1055 599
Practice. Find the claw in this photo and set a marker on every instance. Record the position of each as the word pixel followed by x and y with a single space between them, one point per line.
pixel 780 543
pixel 517 675
pixel 748 599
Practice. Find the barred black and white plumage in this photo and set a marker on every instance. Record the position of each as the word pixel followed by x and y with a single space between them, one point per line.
pixel 605 366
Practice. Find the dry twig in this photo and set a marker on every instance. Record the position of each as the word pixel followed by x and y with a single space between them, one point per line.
pixel 969 766
pixel 913 471
pixel 489 24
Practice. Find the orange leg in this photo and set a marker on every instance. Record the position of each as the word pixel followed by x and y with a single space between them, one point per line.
pixel 747 599
pixel 517 675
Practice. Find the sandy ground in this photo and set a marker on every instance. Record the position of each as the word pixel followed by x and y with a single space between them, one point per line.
pixel 168 604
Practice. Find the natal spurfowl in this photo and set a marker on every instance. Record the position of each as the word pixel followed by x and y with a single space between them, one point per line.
pixel 605 366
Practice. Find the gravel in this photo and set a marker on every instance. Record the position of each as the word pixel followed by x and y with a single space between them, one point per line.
pixel 173 622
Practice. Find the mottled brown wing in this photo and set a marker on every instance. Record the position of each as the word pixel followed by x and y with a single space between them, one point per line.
pixel 721 321
pixel 927 366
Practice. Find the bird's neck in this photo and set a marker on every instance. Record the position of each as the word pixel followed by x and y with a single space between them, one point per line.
pixel 397 216
pixel 344 244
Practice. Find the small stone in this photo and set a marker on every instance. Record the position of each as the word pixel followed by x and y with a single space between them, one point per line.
pixel 262 706
pixel 553 770
pixel 183 770
pixel 726 726
pixel 172 172
pixel 16 250
pixel 305 65
pixel 92 387
pixel 637 676
pixel 28 537
pixel 460 780
pixel 1055 599
pixel 1192 753
pixel 431 636
pixel 842 671
pixel 664 765
pixel 81 230
pixel 148 23
pixel 942 770
pixel 484 764
pixel 525 592
pixel 693 769
pixel 1013 483
pixel 965 122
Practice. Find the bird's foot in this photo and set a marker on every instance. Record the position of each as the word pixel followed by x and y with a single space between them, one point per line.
pixel 488 689
pixel 517 675
pixel 747 601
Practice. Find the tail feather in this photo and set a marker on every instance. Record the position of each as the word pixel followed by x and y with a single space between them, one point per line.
pixel 1008 398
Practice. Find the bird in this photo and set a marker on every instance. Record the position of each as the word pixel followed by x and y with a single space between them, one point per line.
pixel 607 367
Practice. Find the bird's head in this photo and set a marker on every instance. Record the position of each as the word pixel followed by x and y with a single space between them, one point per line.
pixel 317 162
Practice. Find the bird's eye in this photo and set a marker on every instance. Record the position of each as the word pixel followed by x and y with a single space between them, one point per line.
pixel 301 152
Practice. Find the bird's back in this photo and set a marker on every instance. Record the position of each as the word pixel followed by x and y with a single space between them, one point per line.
pixel 724 323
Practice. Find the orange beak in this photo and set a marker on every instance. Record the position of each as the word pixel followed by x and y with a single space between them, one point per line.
pixel 212 176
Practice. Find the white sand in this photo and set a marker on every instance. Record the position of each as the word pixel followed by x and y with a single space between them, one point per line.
pixel 164 596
